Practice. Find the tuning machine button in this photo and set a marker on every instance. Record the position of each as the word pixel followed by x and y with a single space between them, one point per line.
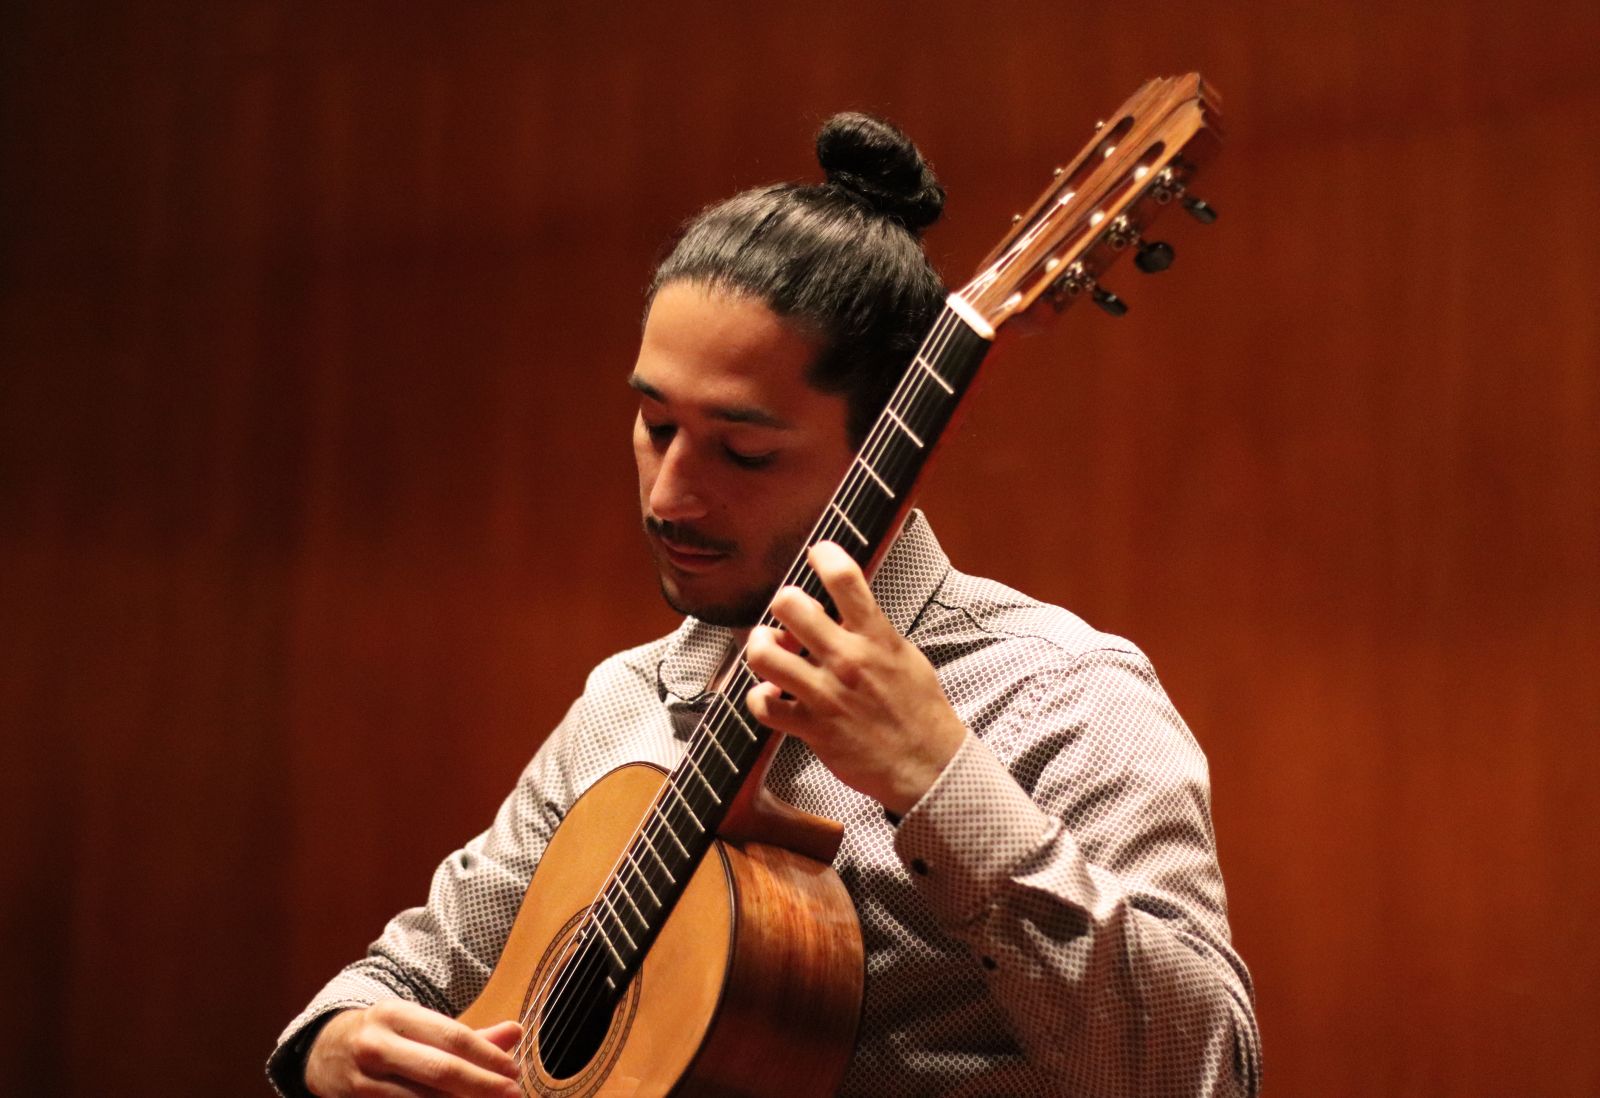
pixel 1200 211
pixel 1151 256
pixel 1154 256
pixel 1109 301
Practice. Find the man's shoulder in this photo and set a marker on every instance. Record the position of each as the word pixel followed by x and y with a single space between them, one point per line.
pixel 970 612
pixel 618 718
pixel 631 669
pixel 1016 667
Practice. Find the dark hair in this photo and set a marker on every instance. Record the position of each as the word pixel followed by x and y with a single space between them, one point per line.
pixel 842 258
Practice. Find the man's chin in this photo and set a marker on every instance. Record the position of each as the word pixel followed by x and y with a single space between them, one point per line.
pixel 734 615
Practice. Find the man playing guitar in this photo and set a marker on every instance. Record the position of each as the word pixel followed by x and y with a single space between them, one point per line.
pixel 1027 841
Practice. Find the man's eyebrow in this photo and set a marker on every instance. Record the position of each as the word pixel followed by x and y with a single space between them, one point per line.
pixel 757 417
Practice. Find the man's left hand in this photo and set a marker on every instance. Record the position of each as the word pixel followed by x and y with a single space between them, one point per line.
pixel 865 700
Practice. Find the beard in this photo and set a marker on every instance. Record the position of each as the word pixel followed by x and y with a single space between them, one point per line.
pixel 741 609
pixel 741 614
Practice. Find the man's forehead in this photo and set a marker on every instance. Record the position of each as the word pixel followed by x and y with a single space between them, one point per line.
pixel 753 414
pixel 729 357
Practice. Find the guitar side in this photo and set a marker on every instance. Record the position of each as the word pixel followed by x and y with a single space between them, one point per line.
pixel 753 986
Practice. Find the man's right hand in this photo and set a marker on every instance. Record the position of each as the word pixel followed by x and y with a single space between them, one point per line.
pixel 396 1049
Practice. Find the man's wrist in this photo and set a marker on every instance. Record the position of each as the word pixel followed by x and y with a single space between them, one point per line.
pixel 963 839
pixel 306 1042
pixel 287 1067
pixel 922 774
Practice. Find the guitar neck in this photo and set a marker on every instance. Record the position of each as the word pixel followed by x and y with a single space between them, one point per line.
pixel 861 516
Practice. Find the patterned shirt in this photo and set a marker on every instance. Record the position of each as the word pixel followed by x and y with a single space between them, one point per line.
pixel 1048 919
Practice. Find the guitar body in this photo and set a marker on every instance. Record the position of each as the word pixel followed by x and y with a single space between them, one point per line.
pixel 752 987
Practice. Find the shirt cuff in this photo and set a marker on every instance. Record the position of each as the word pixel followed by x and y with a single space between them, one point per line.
pixel 968 834
pixel 286 1069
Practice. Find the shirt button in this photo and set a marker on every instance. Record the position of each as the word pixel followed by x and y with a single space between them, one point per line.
pixel 919 867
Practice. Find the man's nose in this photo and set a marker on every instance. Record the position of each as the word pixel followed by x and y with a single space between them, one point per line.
pixel 678 494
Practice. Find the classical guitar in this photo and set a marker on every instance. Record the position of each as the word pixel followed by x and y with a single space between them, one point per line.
pixel 684 932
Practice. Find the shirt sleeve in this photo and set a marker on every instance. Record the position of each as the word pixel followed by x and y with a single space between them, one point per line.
pixel 1081 870
pixel 442 953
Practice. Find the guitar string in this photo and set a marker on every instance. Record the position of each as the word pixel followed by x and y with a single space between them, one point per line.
pixel 832 523
pixel 829 525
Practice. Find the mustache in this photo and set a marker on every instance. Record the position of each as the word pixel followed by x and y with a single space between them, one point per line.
pixel 686 536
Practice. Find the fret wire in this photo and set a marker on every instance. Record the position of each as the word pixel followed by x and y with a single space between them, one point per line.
pixel 914 377
pixel 928 366
pixel 626 895
pixel 888 491
pixel 644 878
pixel 733 711
pixel 924 413
pixel 877 510
pixel 662 862
pixel 923 406
pixel 895 455
pixel 723 751
pixel 854 529
pixel 606 938
pixel 912 435
pixel 618 920
pixel 711 789
pixel 741 680
pixel 687 807
pixel 833 531
pixel 672 832
pixel 875 437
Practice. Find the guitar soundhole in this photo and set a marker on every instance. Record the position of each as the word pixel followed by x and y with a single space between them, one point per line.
pixel 576 1017
pixel 581 1021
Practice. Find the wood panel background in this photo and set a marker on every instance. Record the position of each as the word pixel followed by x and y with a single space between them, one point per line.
pixel 316 501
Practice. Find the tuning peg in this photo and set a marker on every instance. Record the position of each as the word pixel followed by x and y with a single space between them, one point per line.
pixel 1109 301
pixel 1153 257
pixel 1200 211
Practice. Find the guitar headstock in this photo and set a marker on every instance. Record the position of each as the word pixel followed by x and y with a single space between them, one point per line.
pixel 1137 166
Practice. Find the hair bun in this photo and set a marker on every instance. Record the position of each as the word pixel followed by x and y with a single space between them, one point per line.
pixel 875 161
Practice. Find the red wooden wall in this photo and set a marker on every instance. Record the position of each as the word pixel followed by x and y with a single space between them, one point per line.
pixel 316 503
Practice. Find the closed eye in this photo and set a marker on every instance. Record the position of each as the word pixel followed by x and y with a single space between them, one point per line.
pixel 750 461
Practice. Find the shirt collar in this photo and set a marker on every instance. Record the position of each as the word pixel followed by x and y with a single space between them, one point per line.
pixel 911 571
